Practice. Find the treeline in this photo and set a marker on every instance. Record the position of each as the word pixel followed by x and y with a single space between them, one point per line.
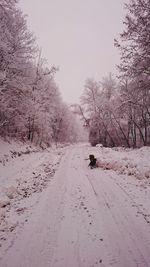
pixel 31 107
pixel 119 110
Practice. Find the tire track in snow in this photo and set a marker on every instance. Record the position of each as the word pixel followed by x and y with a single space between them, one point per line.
pixel 83 221
pixel 108 202
pixel 134 203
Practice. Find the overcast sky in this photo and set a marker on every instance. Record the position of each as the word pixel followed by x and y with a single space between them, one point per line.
pixel 78 36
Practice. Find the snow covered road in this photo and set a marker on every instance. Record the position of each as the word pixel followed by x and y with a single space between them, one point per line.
pixel 86 218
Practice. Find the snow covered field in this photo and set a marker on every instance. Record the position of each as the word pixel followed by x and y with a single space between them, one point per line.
pixel 78 217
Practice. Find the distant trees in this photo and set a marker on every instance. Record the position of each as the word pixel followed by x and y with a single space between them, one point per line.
pixel 31 107
pixel 119 113
pixel 97 99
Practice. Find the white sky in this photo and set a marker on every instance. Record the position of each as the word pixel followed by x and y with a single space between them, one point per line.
pixel 78 36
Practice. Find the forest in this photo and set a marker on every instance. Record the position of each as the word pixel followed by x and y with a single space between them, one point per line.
pixel 31 106
pixel 115 110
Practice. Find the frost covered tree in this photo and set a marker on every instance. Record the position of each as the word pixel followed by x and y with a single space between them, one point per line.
pixel 90 102
pixel 31 107
pixel 17 49
pixel 134 42
pixel 47 120
pixel 134 106
pixel 108 86
pixel 134 46
pixel 97 99
pixel 119 113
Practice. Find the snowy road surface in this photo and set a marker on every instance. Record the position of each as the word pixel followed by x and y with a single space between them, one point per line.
pixel 87 218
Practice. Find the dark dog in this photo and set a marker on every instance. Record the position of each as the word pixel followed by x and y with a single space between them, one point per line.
pixel 93 161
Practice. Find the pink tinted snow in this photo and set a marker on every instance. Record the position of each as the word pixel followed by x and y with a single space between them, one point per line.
pixel 84 217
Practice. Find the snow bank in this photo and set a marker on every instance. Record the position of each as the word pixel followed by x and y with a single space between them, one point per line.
pixel 25 171
pixel 11 150
pixel 125 161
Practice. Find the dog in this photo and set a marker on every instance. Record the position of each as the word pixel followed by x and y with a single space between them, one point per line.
pixel 93 161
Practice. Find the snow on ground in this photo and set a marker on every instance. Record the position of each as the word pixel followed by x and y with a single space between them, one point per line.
pixel 83 217
pixel 24 173
pixel 132 167
pixel 125 161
